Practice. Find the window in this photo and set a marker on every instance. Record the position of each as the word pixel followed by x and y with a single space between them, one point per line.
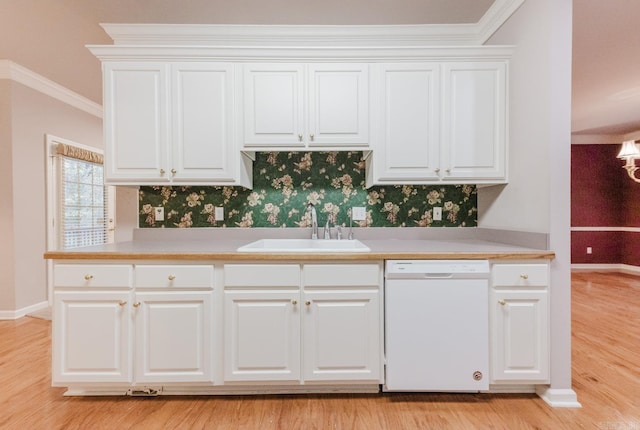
pixel 80 205
pixel 83 217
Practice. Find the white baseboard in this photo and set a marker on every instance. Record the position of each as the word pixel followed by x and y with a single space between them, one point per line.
pixel 559 397
pixel 623 268
pixel 19 313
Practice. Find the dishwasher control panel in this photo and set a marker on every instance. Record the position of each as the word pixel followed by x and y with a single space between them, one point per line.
pixel 458 269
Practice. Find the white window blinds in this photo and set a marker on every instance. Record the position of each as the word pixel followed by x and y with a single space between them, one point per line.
pixel 83 206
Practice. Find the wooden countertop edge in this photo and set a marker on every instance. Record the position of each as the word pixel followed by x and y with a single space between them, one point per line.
pixel 241 256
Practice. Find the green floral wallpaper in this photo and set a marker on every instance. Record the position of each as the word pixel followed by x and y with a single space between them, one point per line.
pixel 283 184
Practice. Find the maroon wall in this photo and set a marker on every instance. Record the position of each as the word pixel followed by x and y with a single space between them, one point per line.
pixel 602 195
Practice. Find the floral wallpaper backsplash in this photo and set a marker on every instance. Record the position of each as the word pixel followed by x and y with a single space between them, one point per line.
pixel 285 182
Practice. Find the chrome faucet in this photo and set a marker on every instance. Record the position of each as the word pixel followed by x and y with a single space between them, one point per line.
pixel 314 220
pixel 327 230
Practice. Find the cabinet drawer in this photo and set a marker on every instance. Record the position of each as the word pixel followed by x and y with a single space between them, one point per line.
pixel 177 276
pixel 262 275
pixel 341 275
pixel 516 275
pixel 93 275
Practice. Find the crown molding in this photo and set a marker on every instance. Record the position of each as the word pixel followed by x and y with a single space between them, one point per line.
pixel 339 36
pixel 222 35
pixel 317 53
pixel 17 73
pixel 496 15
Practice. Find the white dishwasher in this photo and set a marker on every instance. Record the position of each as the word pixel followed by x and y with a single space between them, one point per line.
pixel 437 325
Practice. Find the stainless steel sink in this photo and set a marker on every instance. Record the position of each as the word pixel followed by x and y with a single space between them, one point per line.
pixel 304 245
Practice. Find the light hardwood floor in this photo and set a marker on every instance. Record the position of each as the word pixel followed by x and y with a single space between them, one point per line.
pixel 606 376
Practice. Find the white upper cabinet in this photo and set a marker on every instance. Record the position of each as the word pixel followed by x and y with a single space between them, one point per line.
pixel 407 146
pixel 202 110
pixel 135 122
pixel 312 106
pixel 474 121
pixel 439 122
pixel 172 123
pixel 338 105
pixel 422 113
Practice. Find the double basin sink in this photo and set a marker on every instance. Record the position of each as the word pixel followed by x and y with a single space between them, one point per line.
pixel 304 245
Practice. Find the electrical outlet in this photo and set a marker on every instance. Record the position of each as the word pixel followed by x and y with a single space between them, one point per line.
pixel 158 213
pixel 359 213
pixel 589 250
pixel 437 213
pixel 219 214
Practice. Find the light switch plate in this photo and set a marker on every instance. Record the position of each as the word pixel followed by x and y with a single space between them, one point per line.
pixel 219 213
pixel 437 213
pixel 158 212
pixel 359 213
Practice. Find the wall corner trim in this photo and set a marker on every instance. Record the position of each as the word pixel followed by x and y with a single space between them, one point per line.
pixel 29 78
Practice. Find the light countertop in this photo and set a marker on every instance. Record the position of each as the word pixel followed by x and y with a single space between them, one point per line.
pixel 226 249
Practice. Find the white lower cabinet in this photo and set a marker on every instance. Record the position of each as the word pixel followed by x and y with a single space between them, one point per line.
pixel 519 314
pixel 118 336
pixel 325 327
pixel 262 335
pixel 92 337
pixel 173 337
pixel 287 324
pixel 341 335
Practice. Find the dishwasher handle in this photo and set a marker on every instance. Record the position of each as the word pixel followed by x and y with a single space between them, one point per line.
pixel 437 275
pixel 419 276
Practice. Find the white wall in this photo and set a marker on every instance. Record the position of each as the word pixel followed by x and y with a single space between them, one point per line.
pixel 126 213
pixel 524 203
pixel 26 116
pixel 34 115
pixel 537 197
pixel 7 292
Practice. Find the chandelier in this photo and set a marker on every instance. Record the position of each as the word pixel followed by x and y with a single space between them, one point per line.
pixel 630 153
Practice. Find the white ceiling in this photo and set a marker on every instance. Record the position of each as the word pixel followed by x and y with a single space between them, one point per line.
pixel 606 67
pixel 49 37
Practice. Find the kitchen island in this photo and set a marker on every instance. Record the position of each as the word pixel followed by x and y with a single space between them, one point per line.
pixel 186 313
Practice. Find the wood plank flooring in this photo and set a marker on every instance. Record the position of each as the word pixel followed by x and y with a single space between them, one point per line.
pixel 606 374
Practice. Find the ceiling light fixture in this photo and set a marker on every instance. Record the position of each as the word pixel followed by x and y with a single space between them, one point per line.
pixel 630 152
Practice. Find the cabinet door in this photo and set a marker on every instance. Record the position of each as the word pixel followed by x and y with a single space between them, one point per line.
pixel 474 123
pixel 262 335
pixel 407 149
pixel 341 331
pixel 273 105
pixel 91 337
pixel 174 337
pixel 520 336
pixel 338 105
pixel 136 122
pixel 202 111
